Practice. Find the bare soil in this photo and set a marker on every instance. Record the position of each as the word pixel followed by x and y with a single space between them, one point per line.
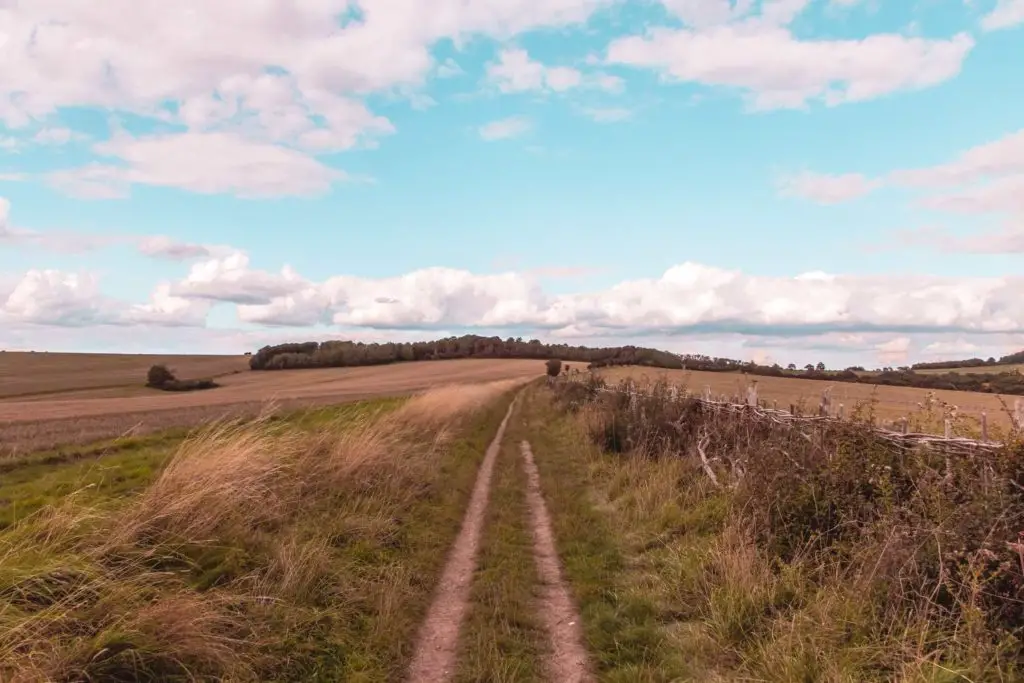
pixel 568 660
pixel 437 645
pixel 80 415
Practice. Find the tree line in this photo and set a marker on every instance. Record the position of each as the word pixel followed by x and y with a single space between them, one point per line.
pixel 333 354
pixel 1011 359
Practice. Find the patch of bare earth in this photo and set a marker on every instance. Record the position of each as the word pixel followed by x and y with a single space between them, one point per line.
pixel 568 660
pixel 437 645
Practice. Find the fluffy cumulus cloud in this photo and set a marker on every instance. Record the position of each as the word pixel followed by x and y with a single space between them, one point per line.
pixel 686 299
pixel 255 90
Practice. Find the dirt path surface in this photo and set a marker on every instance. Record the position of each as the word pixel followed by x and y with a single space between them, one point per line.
pixel 436 648
pixel 568 660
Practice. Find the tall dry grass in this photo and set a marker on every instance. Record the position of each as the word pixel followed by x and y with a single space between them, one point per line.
pixel 830 555
pixel 174 582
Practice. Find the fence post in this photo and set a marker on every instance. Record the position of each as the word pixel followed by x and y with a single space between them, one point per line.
pixel 948 429
pixel 752 395
pixel 841 411
pixel 984 426
pixel 904 425
pixel 1018 413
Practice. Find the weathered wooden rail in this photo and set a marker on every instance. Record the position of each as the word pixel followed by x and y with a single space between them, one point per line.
pixel 752 406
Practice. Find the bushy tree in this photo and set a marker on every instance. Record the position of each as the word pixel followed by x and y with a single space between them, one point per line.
pixel 554 367
pixel 158 376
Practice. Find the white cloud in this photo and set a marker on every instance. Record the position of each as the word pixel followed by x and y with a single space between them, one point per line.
pixel 502 129
pixel 728 46
pixel 138 55
pixel 950 349
pixel 891 317
pixel 687 298
pixel 1009 240
pixel 230 279
pixel 52 297
pixel 166 309
pixel 292 75
pixel 161 246
pixel 999 157
pixel 68 242
pixel 895 351
pixel 516 72
pixel 207 163
pixel 1006 14
pixel 449 68
pixel 827 189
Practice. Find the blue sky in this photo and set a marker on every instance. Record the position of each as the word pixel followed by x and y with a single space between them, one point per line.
pixel 593 171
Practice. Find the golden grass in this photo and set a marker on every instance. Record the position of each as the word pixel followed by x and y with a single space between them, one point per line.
pixel 890 403
pixel 217 570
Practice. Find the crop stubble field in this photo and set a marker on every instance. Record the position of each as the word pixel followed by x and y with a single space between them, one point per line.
pixel 892 402
pixel 103 397
pixel 50 400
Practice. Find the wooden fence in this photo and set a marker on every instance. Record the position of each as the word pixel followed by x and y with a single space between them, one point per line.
pixel 898 434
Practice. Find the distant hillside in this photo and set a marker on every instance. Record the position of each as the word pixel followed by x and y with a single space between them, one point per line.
pixel 1012 359
pixel 332 354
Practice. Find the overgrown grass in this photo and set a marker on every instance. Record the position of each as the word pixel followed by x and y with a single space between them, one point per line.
pixel 827 558
pixel 503 640
pixel 103 473
pixel 260 551
pixel 621 621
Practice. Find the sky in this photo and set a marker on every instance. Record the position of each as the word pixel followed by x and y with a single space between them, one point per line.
pixel 770 180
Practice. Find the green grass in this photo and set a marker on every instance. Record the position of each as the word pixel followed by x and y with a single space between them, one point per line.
pixel 332 591
pixel 104 473
pixel 622 622
pixel 502 639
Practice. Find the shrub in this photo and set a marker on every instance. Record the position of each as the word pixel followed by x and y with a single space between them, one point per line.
pixel 554 367
pixel 158 376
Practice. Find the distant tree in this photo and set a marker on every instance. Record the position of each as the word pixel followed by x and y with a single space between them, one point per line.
pixel 158 376
pixel 809 368
pixel 554 367
pixel 820 367
pixel 791 366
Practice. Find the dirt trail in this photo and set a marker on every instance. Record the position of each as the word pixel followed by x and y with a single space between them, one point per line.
pixel 568 660
pixel 436 648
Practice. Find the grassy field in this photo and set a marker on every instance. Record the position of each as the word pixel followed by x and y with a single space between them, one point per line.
pixel 312 545
pixel 298 549
pixel 892 403
pixel 78 414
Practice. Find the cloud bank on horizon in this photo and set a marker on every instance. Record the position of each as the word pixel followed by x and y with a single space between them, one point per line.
pixel 786 180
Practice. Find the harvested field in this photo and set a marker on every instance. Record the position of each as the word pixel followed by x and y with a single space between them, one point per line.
pixel 84 415
pixel 982 370
pixel 36 373
pixel 892 402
